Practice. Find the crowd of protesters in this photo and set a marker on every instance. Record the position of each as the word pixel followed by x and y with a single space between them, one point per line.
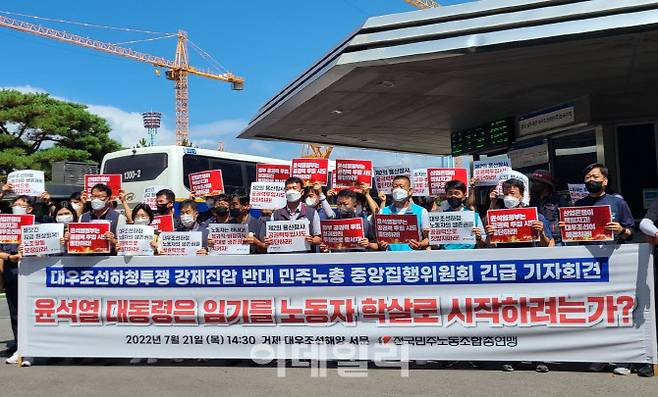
pixel 315 203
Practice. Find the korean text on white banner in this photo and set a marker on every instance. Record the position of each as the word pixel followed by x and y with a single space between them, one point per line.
pixel 267 195
pixel 180 243
pixel 573 304
pixel 384 176
pixel 43 239
pixel 452 227
pixel 227 239
pixel 288 236
pixel 149 195
pixel 486 171
pixel 27 182
pixel 419 183
pixel 135 240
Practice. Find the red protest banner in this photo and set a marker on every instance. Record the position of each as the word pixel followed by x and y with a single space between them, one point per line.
pixel 113 181
pixel 206 183
pixel 163 223
pixel 395 229
pixel 88 238
pixel 437 178
pixel 586 223
pixel 353 173
pixel 272 172
pixel 311 170
pixel 10 227
pixel 342 233
pixel 512 225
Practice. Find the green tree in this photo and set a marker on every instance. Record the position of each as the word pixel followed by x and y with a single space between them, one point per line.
pixel 36 130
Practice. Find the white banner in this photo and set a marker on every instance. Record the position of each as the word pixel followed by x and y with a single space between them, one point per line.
pixel 43 239
pixel 577 191
pixel 149 195
pixel 452 227
pixel 567 304
pixel 179 243
pixel 227 239
pixel 486 171
pixel 267 195
pixel 27 182
pixel 135 240
pixel 384 176
pixel 288 236
pixel 420 183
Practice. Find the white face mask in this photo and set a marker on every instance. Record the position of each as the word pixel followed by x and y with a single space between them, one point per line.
pixel 293 195
pixel 511 202
pixel 18 210
pixel 64 219
pixel 76 206
pixel 97 204
pixel 311 202
pixel 399 194
pixel 142 221
pixel 187 220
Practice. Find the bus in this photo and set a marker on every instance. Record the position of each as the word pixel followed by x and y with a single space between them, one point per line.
pixel 169 166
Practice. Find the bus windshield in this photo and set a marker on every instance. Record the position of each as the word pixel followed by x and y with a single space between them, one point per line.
pixel 138 167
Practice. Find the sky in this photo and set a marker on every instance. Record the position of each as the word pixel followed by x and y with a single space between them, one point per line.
pixel 267 42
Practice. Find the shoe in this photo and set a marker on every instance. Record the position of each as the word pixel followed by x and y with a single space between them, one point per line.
pixel 27 362
pixel 151 361
pixel 13 360
pixel 542 368
pixel 507 368
pixel 623 371
pixel 645 371
pixel 135 361
pixel 598 367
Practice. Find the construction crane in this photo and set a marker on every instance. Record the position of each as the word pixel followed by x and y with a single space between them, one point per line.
pixel 315 151
pixel 176 70
pixel 423 4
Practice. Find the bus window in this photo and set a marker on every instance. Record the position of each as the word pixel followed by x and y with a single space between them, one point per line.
pixel 250 174
pixel 231 170
pixel 138 167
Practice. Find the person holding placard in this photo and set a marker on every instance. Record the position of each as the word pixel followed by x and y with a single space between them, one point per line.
pixel 513 190
pixel 596 182
pixel 457 199
pixel 239 211
pixel 346 208
pixel 296 210
pixel 188 223
pixel 101 209
pixel 315 198
pixel 10 257
pixel 547 201
pixel 403 205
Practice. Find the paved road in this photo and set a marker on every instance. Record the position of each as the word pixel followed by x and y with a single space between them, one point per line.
pixel 220 378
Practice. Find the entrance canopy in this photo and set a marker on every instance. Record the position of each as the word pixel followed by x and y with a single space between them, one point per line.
pixel 404 82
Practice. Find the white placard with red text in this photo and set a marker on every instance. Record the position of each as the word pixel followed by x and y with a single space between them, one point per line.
pixel 27 182
pixel 267 195
pixel 179 243
pixel 228 239
pixel 135 240
pixel 43 239
pixel 288 236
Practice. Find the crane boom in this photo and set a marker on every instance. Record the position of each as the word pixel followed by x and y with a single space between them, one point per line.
pixel 423 4
pixel 177 70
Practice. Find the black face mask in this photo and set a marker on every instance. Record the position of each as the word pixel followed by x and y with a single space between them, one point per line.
pixel 234 212
pixel 345 213
pixel 455 202
pixel 162 208
pixel 220 211
pixel 594 186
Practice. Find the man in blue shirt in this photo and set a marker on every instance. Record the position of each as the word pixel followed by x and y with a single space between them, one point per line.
pixel 403 205
pixel 456 198
pixel 596 181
